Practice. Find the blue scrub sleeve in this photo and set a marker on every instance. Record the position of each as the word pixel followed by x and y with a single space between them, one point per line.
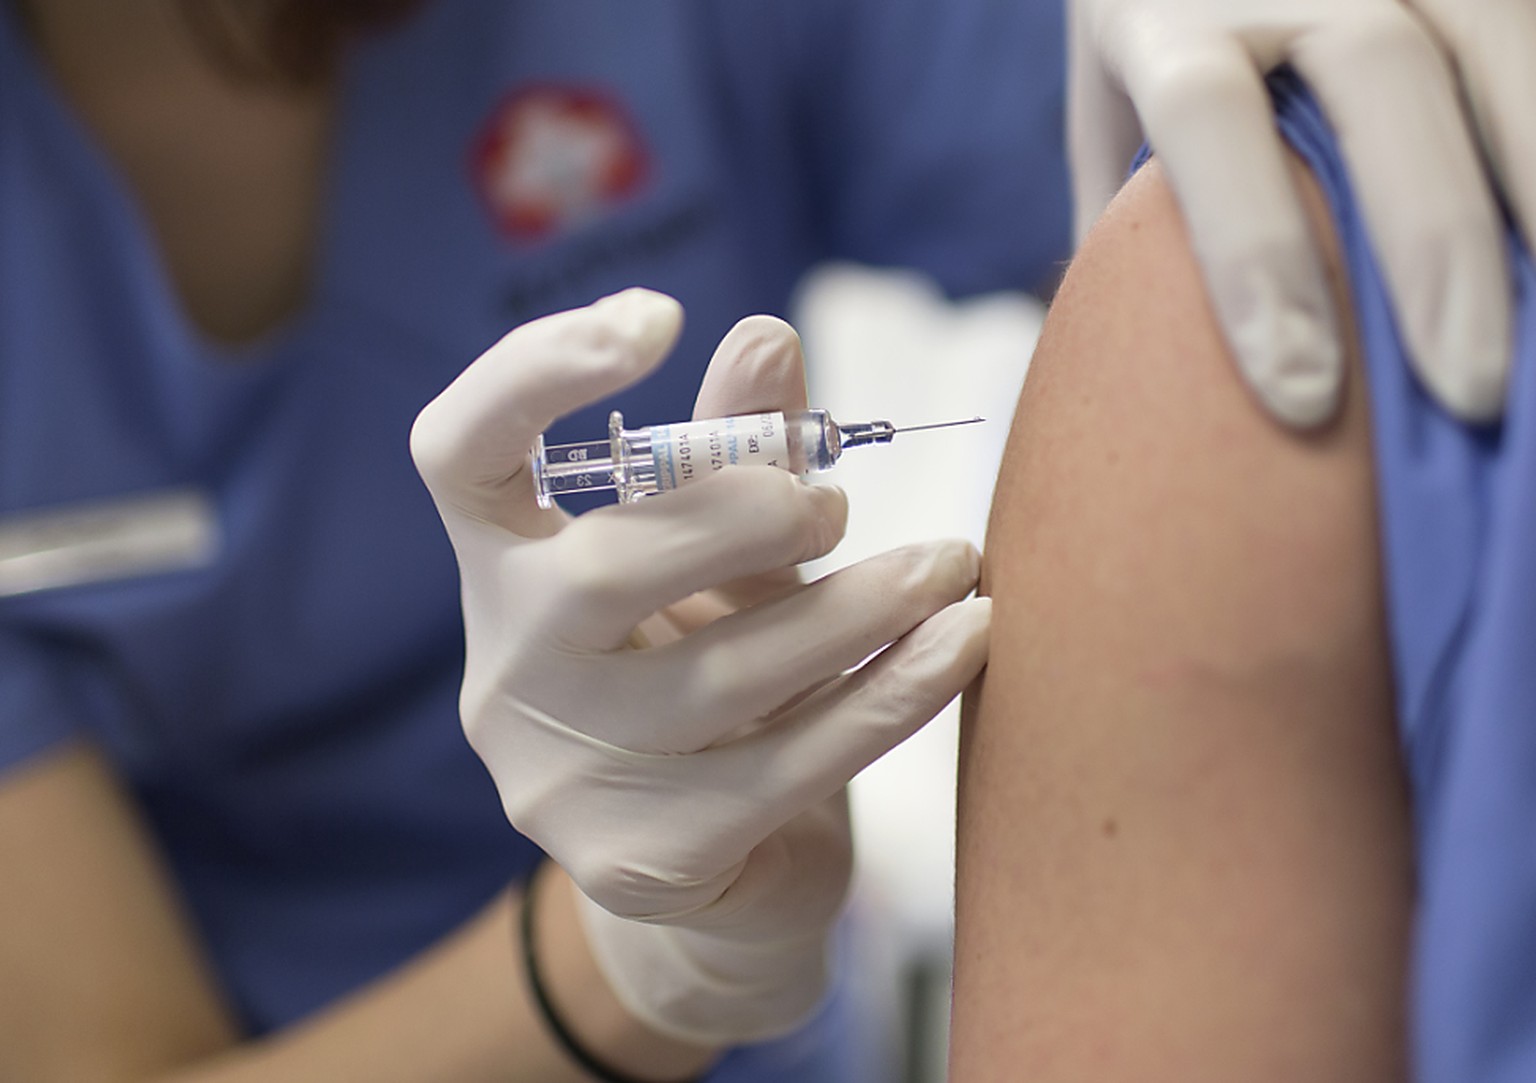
pixel 931 134
pixel 1458 515
pixel 945 148
pixel 39 700
pixel 1457 511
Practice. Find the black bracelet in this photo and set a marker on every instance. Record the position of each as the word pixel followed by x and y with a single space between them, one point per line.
pixel 557 1029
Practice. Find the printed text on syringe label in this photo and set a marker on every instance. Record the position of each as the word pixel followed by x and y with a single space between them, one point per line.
pixel 565 464
pixel 692 450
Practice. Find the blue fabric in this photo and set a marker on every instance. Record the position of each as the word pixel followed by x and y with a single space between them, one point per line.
pixel 287 717
pixel 1458 513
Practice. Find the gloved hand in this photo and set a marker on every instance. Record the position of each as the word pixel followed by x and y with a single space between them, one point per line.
pixel 692 788
pixel 1494 43
pixel 1194 68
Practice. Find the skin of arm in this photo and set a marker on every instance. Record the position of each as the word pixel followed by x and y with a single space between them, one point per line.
pixel 104 981
pixel 1184 849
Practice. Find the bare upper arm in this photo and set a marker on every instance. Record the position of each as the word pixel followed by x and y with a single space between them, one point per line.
pixel 100 978
pixel 1184 848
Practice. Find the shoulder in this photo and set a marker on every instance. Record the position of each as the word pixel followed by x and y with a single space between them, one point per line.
pixel 1183 843
pixel 1135 411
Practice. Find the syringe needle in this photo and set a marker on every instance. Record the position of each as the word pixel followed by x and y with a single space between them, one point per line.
pixel 941 425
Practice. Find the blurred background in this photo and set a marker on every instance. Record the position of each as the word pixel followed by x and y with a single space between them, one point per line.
pixel 889 345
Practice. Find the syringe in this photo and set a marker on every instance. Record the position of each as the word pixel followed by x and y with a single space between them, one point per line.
pixel 639 462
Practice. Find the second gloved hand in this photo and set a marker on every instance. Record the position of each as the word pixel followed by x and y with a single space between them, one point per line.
pixel 1189 73
pixel 1494 44
pixel 693 788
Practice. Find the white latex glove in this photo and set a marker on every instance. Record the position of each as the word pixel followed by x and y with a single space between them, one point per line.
pixel 693 789
pixel 1494 43
pixel 1194 70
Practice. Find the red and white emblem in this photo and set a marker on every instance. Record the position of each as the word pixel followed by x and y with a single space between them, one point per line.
pixel 552 157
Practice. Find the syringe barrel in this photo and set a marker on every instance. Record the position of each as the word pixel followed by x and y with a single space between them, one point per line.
pixel 814 441
pixel 679 454
pixel 640 462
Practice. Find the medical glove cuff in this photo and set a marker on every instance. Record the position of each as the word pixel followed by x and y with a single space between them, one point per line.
pixel 706 989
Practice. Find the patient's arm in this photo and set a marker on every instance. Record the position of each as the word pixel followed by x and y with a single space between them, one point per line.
pixel 1184 846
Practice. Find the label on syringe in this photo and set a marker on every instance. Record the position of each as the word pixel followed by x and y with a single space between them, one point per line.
pixel 691 450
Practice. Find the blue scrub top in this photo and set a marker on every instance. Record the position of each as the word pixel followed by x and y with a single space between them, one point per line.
pixel 287 717
pixel 1458 517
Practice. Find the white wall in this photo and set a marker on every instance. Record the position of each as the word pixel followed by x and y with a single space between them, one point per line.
pixel 888 345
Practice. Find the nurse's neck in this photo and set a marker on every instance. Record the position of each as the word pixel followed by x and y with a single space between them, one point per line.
pixel 227 169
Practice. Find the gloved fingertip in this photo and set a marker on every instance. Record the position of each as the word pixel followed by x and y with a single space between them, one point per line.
pixel 1293 359
pixel 766 352
pixel 1463 354
pixel 965 630
pixel 1301 393
pixel 975 614
pixel 758 366
pixel 648 320
pixel 758 330
pixel 1472 387
pixel 974 566
pixel 1455 306
pixel 962 559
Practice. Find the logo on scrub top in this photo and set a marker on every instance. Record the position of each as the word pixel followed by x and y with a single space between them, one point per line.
pixel 552 157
